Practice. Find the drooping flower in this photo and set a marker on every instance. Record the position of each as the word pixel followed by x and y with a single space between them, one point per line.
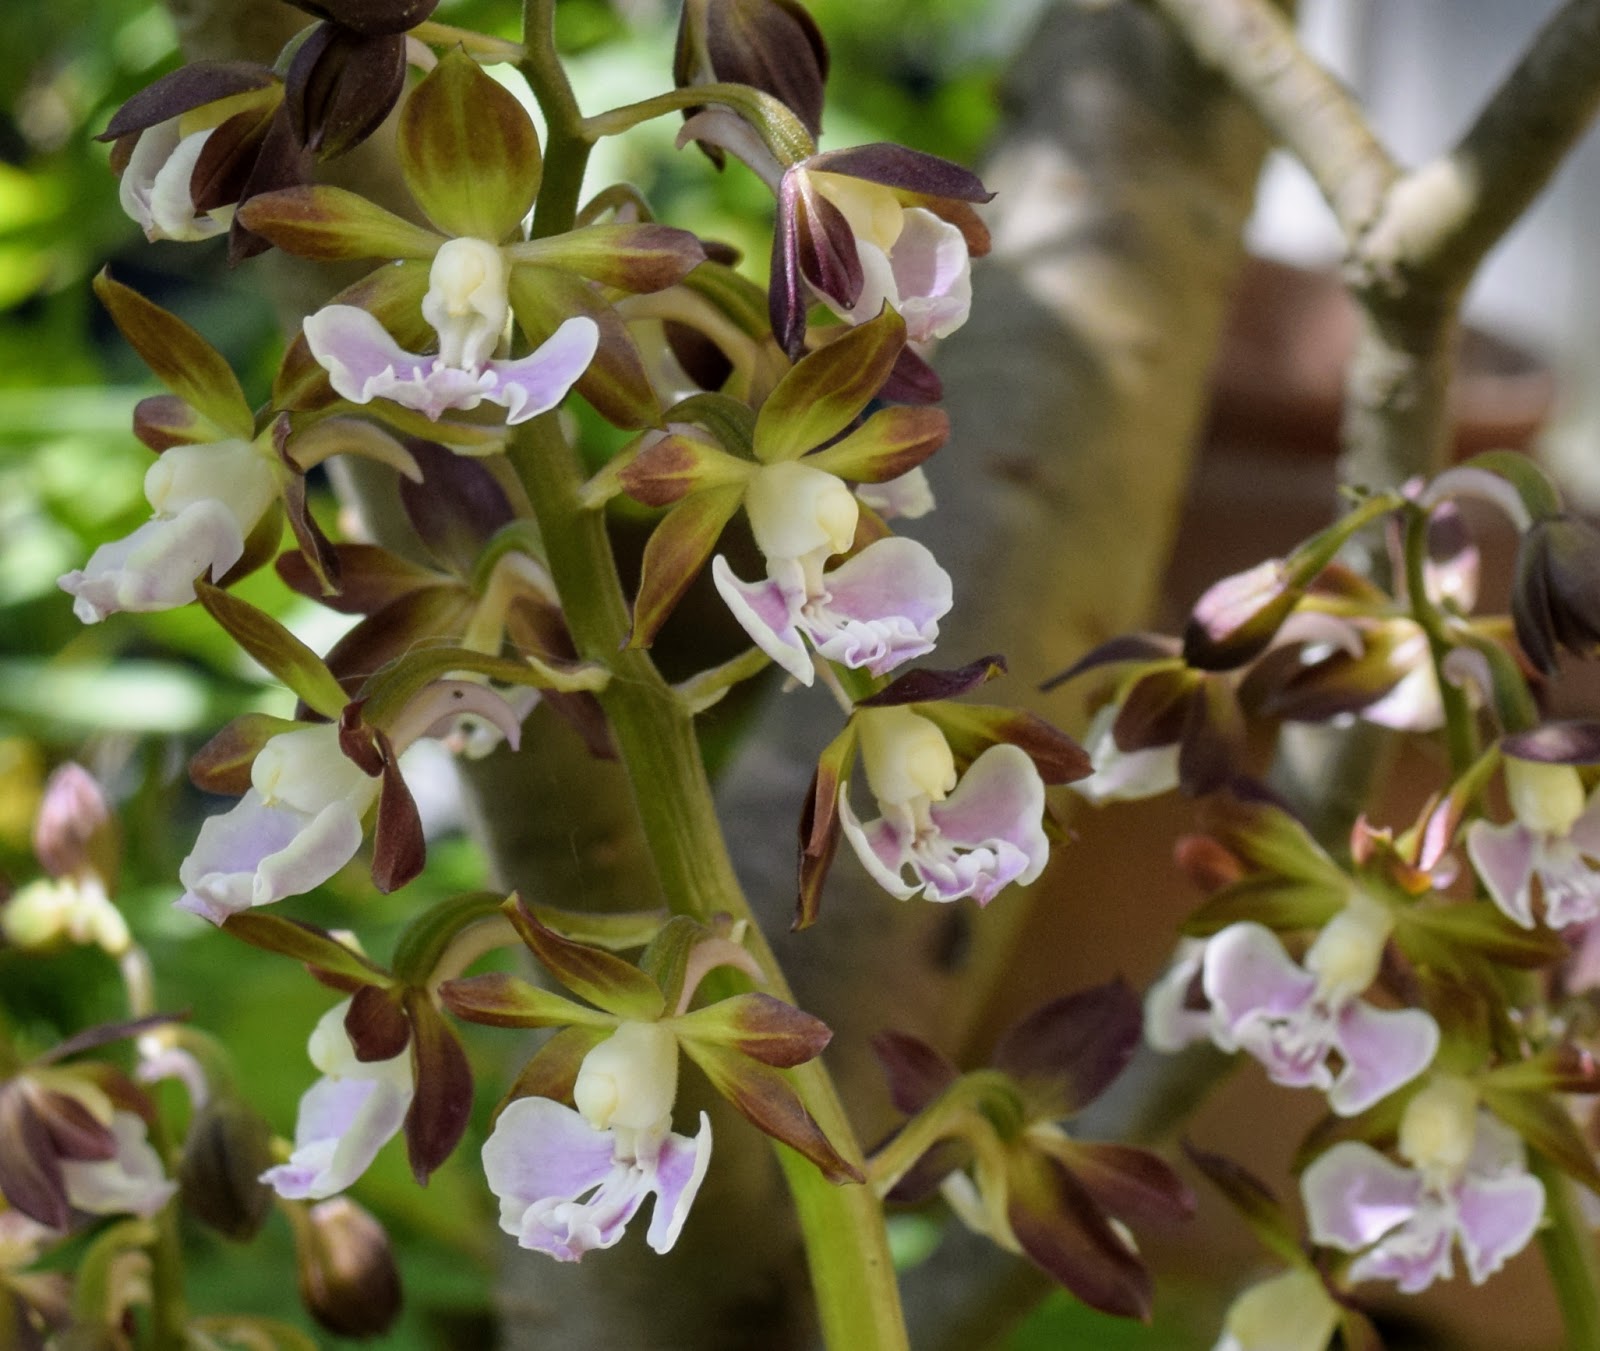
pixel 206 500
pixel 966 837
pixel 1293 1018
pixel 131 1182
pixel 1468 1183
pixel 570 1180
pixel 346 1117
pixel 876 610
pixel 1554 836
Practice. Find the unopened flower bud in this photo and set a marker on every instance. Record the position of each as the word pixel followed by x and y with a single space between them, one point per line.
pixel 1555 602
pixel 228 1147
pixel 630 1080
pixel 341 85
pixel 796 510
pixel 75 832
pixel 1439 1128
pixel 371 16
pixel 1347 953
pixel 906 757
pixel 348 1279
pixel 774 45
pixel 1237 617
pixel 467 301
pixel 1544 797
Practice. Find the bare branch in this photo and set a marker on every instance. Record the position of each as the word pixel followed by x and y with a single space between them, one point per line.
pixel 1253 45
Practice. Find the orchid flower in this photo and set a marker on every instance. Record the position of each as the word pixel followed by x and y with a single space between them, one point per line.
pixel 345 1117
pixel 959 838
pixel 878 609
pixel 131 1182
pixel 1468 1182
pixel 569 1181
pixel 207 499
pixel 1293 1018
pixel 1555 837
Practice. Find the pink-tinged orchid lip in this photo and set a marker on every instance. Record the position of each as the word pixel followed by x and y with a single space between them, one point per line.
pixel 877 610
pixel 926 277
pixel 364 363
pixel 155 567
pixel 564 1190
pixel 987 834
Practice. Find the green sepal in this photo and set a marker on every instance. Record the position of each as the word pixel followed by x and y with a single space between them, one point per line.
pixel 1556 1069
pixel 305 943
pixel 223 764
pixel 673 466
pixel 329 223
pixel 666 959
pixel 1546 1124
pixel 1480 928
pixel 393 296
pixel 730 422
pixel 765 1097
pixel 756 1025
pixel 392 688
pixel 601 977
pixel 284 655
pixel 468 151
pixel 892 442
pixel 616 931
pixel 677 550
pixel 615 382
pixel 501 1000
pixel 1278 903
pixel 179 357
pixel 553 1068
pixel 826 390
pixel 1268 838
pixel 735 296
pixel 426 938
pixel 634 258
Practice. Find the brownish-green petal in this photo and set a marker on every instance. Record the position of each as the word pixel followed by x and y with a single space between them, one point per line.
pixel 331 223
pixel 677 550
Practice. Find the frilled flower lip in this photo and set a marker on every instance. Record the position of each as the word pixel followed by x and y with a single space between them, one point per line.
pixel 985 835
pixel 1357 1199
pixel 876 610
pixel 259 853
pixel 1508 857
pixel 563 1189
pixel 345 1118
pixel 364 363
pixel 1265 1003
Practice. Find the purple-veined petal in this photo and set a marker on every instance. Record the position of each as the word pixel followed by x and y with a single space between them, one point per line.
pixel 1354 1196
pixel 880 608
pixel 155 567
pixel 999 800
pixel 132 1182
pixel 680 1168
pixel 1495 1218
pixel 1382 1049
pixel 766 614
pixel 1503 857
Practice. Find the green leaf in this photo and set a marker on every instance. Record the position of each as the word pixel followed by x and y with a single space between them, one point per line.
pixel 330 223
pixel 290 660
pixel 826 390
pixel 468 151
pixel 677 550
pixel 179 357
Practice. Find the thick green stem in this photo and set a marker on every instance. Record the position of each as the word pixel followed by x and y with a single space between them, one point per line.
pixel 843 1226
pixel 1570 1254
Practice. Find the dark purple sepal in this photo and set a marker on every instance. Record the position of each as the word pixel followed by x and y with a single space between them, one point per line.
pixel 1156 709
pixel 457 507
pixel 1062 1231
pixel 317 553
pixel 819 823
pixel 341 85
pixel 280 162
pixel 443 1103
pixel 812 244
pixel 907 170
pixel 1211 747
pixel 765 1098
pixel 677 549
pixel 1074 1046
pixel 376 1023
pixel 591 973
pixel 399 628
pixel 923 685
pixel 228 158
pixel 1254 1201
pixel 222 765
pixel 917 1073
pixel 30 1169
pixel 1555 597
pixel 1557 743
pixel 399 850
pixel 189 87
pixel 105 1034
pixel 759 1026
pixel 1132 1184
pixel 370 16
pixel 370 578
pixel 912 380
pixel 1126 648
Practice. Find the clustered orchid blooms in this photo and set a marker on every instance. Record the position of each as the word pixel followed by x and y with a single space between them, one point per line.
pixel 535 374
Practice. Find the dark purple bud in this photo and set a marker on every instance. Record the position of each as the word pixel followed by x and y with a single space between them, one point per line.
pixel 1555 600
pixel 346 1268
pixel 443 1101
pixel 1076 1045
pixel 921 686
pixel 1238 617
pixel 371 17
pixel 75 832
pixel 185 89
pixel 773 45
pixel 341 85
pixel 376 1023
